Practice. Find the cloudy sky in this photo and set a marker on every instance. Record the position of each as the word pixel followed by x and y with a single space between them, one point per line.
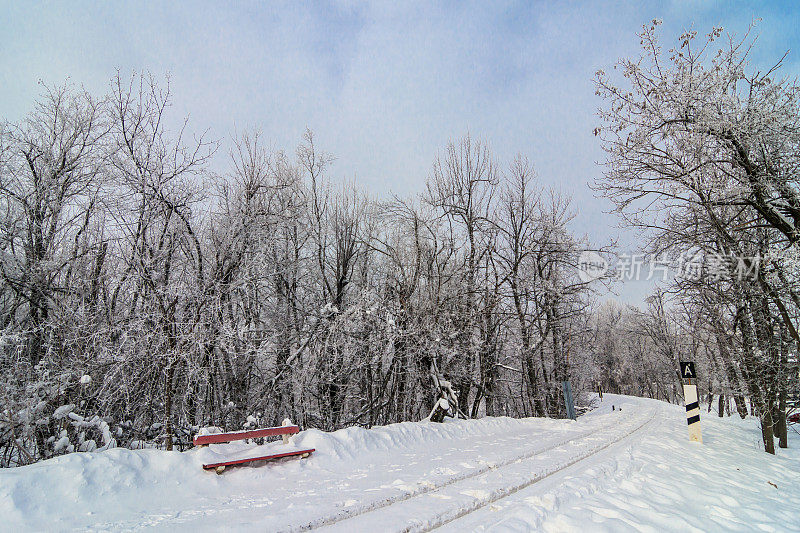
pixel 384 86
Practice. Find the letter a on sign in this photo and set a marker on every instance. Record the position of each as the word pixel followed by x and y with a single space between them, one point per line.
pixel 687 370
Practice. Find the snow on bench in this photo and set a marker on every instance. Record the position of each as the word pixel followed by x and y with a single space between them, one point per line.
pixel 206 438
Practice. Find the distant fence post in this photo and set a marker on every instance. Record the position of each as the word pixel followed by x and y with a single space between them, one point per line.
pixel 568 400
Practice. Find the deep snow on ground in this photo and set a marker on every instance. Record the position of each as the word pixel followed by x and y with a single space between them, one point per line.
pixel 633 469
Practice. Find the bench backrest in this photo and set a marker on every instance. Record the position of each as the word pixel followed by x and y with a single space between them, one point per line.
pixel 217 438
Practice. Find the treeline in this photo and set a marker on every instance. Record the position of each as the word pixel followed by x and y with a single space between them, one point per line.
pixel 144 296
pixel 703 153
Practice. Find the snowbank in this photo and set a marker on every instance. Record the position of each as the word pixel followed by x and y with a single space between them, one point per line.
pixel 638 481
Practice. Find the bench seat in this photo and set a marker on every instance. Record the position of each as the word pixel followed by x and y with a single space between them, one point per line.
pixel 222 464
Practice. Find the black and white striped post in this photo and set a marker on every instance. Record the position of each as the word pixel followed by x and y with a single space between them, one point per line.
pixel 689 378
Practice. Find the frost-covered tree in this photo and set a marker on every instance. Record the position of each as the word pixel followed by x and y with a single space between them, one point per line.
pixel 701 152
pixel 143 296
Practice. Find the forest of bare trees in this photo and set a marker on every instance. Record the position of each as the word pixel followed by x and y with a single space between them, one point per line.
pixel 144 296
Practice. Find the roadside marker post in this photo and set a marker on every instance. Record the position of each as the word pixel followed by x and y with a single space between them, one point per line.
pixel 689 378
pixel 569 402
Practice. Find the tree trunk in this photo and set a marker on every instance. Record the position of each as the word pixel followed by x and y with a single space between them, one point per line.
pixel 168 430
pixel 783 385
pixel 726 354
pixel 766 431
pixel 751 373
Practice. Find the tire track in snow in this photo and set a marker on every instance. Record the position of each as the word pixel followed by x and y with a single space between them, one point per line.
pixel 353 512
pixel 479 503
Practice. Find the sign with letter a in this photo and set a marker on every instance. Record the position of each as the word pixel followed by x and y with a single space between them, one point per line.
pixel 689 375
pixel 687 370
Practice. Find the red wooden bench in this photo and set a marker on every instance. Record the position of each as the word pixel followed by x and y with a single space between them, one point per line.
pixel 220 438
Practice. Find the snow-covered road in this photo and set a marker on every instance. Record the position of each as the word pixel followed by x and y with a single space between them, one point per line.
pixel 469 491
pixel 632 469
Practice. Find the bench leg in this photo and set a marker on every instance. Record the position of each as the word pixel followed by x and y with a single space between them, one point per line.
pixel 219 470
pixel 285 439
